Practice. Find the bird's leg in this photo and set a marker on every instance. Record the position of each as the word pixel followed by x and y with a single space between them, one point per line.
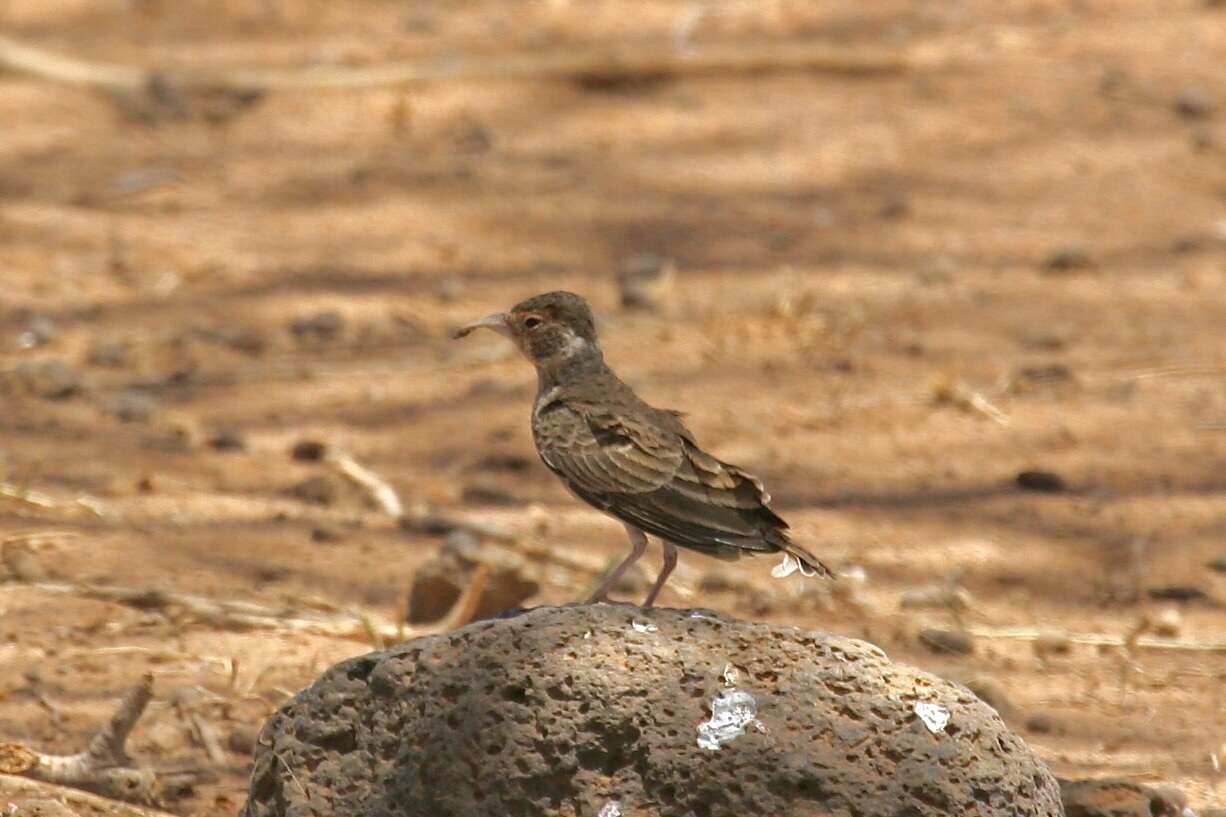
pixel 638 545
pixel 670 561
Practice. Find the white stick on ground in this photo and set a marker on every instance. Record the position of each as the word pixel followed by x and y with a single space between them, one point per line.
pixel 380 491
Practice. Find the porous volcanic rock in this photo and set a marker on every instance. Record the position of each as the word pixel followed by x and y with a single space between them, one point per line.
pixel 595 710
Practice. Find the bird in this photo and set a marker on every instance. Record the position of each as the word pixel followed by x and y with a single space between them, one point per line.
pixel 638 464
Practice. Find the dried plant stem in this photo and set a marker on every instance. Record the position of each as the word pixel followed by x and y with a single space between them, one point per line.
pixel 609 62
pixel 13 787
pixel 1101 639
pixel 245 615
pixel 383 494
pixel 104 767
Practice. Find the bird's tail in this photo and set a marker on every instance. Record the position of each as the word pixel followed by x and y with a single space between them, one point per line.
pixel 796 558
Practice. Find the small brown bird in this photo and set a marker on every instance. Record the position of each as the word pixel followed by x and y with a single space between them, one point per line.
pixel 637 463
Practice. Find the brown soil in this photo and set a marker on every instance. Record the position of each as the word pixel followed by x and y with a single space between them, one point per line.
pixel 893 294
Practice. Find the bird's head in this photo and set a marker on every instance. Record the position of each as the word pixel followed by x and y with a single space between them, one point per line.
pixel 551 330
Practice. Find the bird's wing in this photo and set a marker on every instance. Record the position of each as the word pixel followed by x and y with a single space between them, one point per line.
pixel 605 454
pixel 646 470
pixel 711 506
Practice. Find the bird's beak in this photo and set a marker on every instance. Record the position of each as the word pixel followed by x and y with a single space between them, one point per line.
pixel 497 322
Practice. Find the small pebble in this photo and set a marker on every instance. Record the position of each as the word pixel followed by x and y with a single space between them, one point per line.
pixel 109 353
pixel 49 379
pixel 644 281
pixel 1050 644
pixel 324 535
pixel 38 332
pixel 489 495
pixel 318 328
pixel 134 405
pixel 1177 592
pixel 1168 623
pixel 1041 723
pixel 953 642
pixel 309 450
pixel 315 490
pixel 716 581
pixel 1068 258
pixel 1047 482
pixel 988 691
pixel 227 440
pixel 1194 103
pixel 241 740
pixel 1218 563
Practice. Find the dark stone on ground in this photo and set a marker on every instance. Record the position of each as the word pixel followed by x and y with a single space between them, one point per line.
pixel 1119 798
pixel 438 584
pixel 1047 482
pixel 51 379
pixel 319 328
pixel 1177 592
pixel 950 642
pixel 227 440
pixel 315 490
pixel 309 450
pixel 1041 723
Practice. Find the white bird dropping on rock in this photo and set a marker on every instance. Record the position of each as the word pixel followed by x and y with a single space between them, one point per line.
pixel 613 808
pixel 934 716
pixel 731 711
pixel 643 626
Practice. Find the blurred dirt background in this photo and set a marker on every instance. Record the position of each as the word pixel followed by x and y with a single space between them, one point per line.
pixel 963 314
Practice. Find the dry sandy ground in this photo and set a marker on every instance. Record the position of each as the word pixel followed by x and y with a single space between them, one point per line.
pixel 1033 215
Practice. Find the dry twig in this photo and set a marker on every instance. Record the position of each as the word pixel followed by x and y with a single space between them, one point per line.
pixel 380 491
pixel 610 63
pixel 244 615
pixel 104 767
pixel 1137 641
pixel 13 787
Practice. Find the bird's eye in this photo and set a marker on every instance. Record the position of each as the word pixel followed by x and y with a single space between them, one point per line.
pixel 532 322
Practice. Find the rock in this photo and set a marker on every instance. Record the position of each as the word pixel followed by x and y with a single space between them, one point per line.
pixel 1047 482
pixel 1177 592
pixel 560 711
pixel 437 585
pixel 1217 563
pixel 315 490
pixel 954 642
pixel 133 405
pixel 226 439
pixel 1194 103
pixel 492 495
pixel 21 561
pixel 645 281
pixel 319 328
pixel 987 690
pixel 51 379
pixel 1068 258
pixel 241 740
pixel 39 331
pixel 110 353
pixel 325 535
pixel 1168 623
pixel 1041 723
pixel 309 450
pixel 1119 798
